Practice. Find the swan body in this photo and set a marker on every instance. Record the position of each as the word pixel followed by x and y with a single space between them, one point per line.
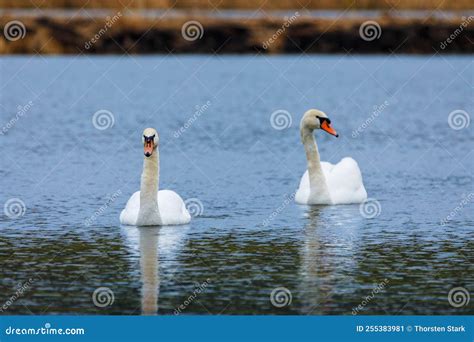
pixel 171 208
pixel 323 182
pixel 344 182
pixel 149 206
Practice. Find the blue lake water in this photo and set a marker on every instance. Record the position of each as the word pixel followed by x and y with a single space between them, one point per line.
pixel 70 181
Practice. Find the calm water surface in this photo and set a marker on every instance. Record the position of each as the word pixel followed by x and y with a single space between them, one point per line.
pixel 74 180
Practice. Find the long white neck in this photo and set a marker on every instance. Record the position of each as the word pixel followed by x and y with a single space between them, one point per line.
pixel 149 187
pixel 317 181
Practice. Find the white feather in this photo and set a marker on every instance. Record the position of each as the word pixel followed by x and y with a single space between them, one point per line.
pixel 171 207
pixel 344 181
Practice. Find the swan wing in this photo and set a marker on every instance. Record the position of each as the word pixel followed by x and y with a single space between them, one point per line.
pixel 172 208
pixel 345 181
pixel 302 194
pixel 129 215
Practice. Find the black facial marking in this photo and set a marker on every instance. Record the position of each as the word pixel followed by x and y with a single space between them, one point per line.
pixel 321 120
pixel 149 139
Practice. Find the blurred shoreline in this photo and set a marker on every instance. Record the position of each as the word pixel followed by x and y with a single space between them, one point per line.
pixel 217 5
pixel 160 31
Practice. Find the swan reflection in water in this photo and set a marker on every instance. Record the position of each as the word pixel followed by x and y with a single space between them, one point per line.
pixel 328 255
pixel 151 243
pixel 149 266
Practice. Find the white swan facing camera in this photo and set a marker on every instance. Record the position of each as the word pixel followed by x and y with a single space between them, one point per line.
pixel 326 183
pixel 150 206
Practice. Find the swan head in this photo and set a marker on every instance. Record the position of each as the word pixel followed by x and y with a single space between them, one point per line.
pixel 150 141
pixel 316 119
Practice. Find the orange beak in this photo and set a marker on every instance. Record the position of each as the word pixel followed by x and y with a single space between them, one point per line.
pixel 148 147
pixel 327 127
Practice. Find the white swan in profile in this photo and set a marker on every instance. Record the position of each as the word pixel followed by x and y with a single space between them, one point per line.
pixel 325 183
pixel 150 207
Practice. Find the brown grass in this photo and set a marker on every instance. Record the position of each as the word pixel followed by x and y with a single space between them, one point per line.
pixel 137 35
pixel 244 4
